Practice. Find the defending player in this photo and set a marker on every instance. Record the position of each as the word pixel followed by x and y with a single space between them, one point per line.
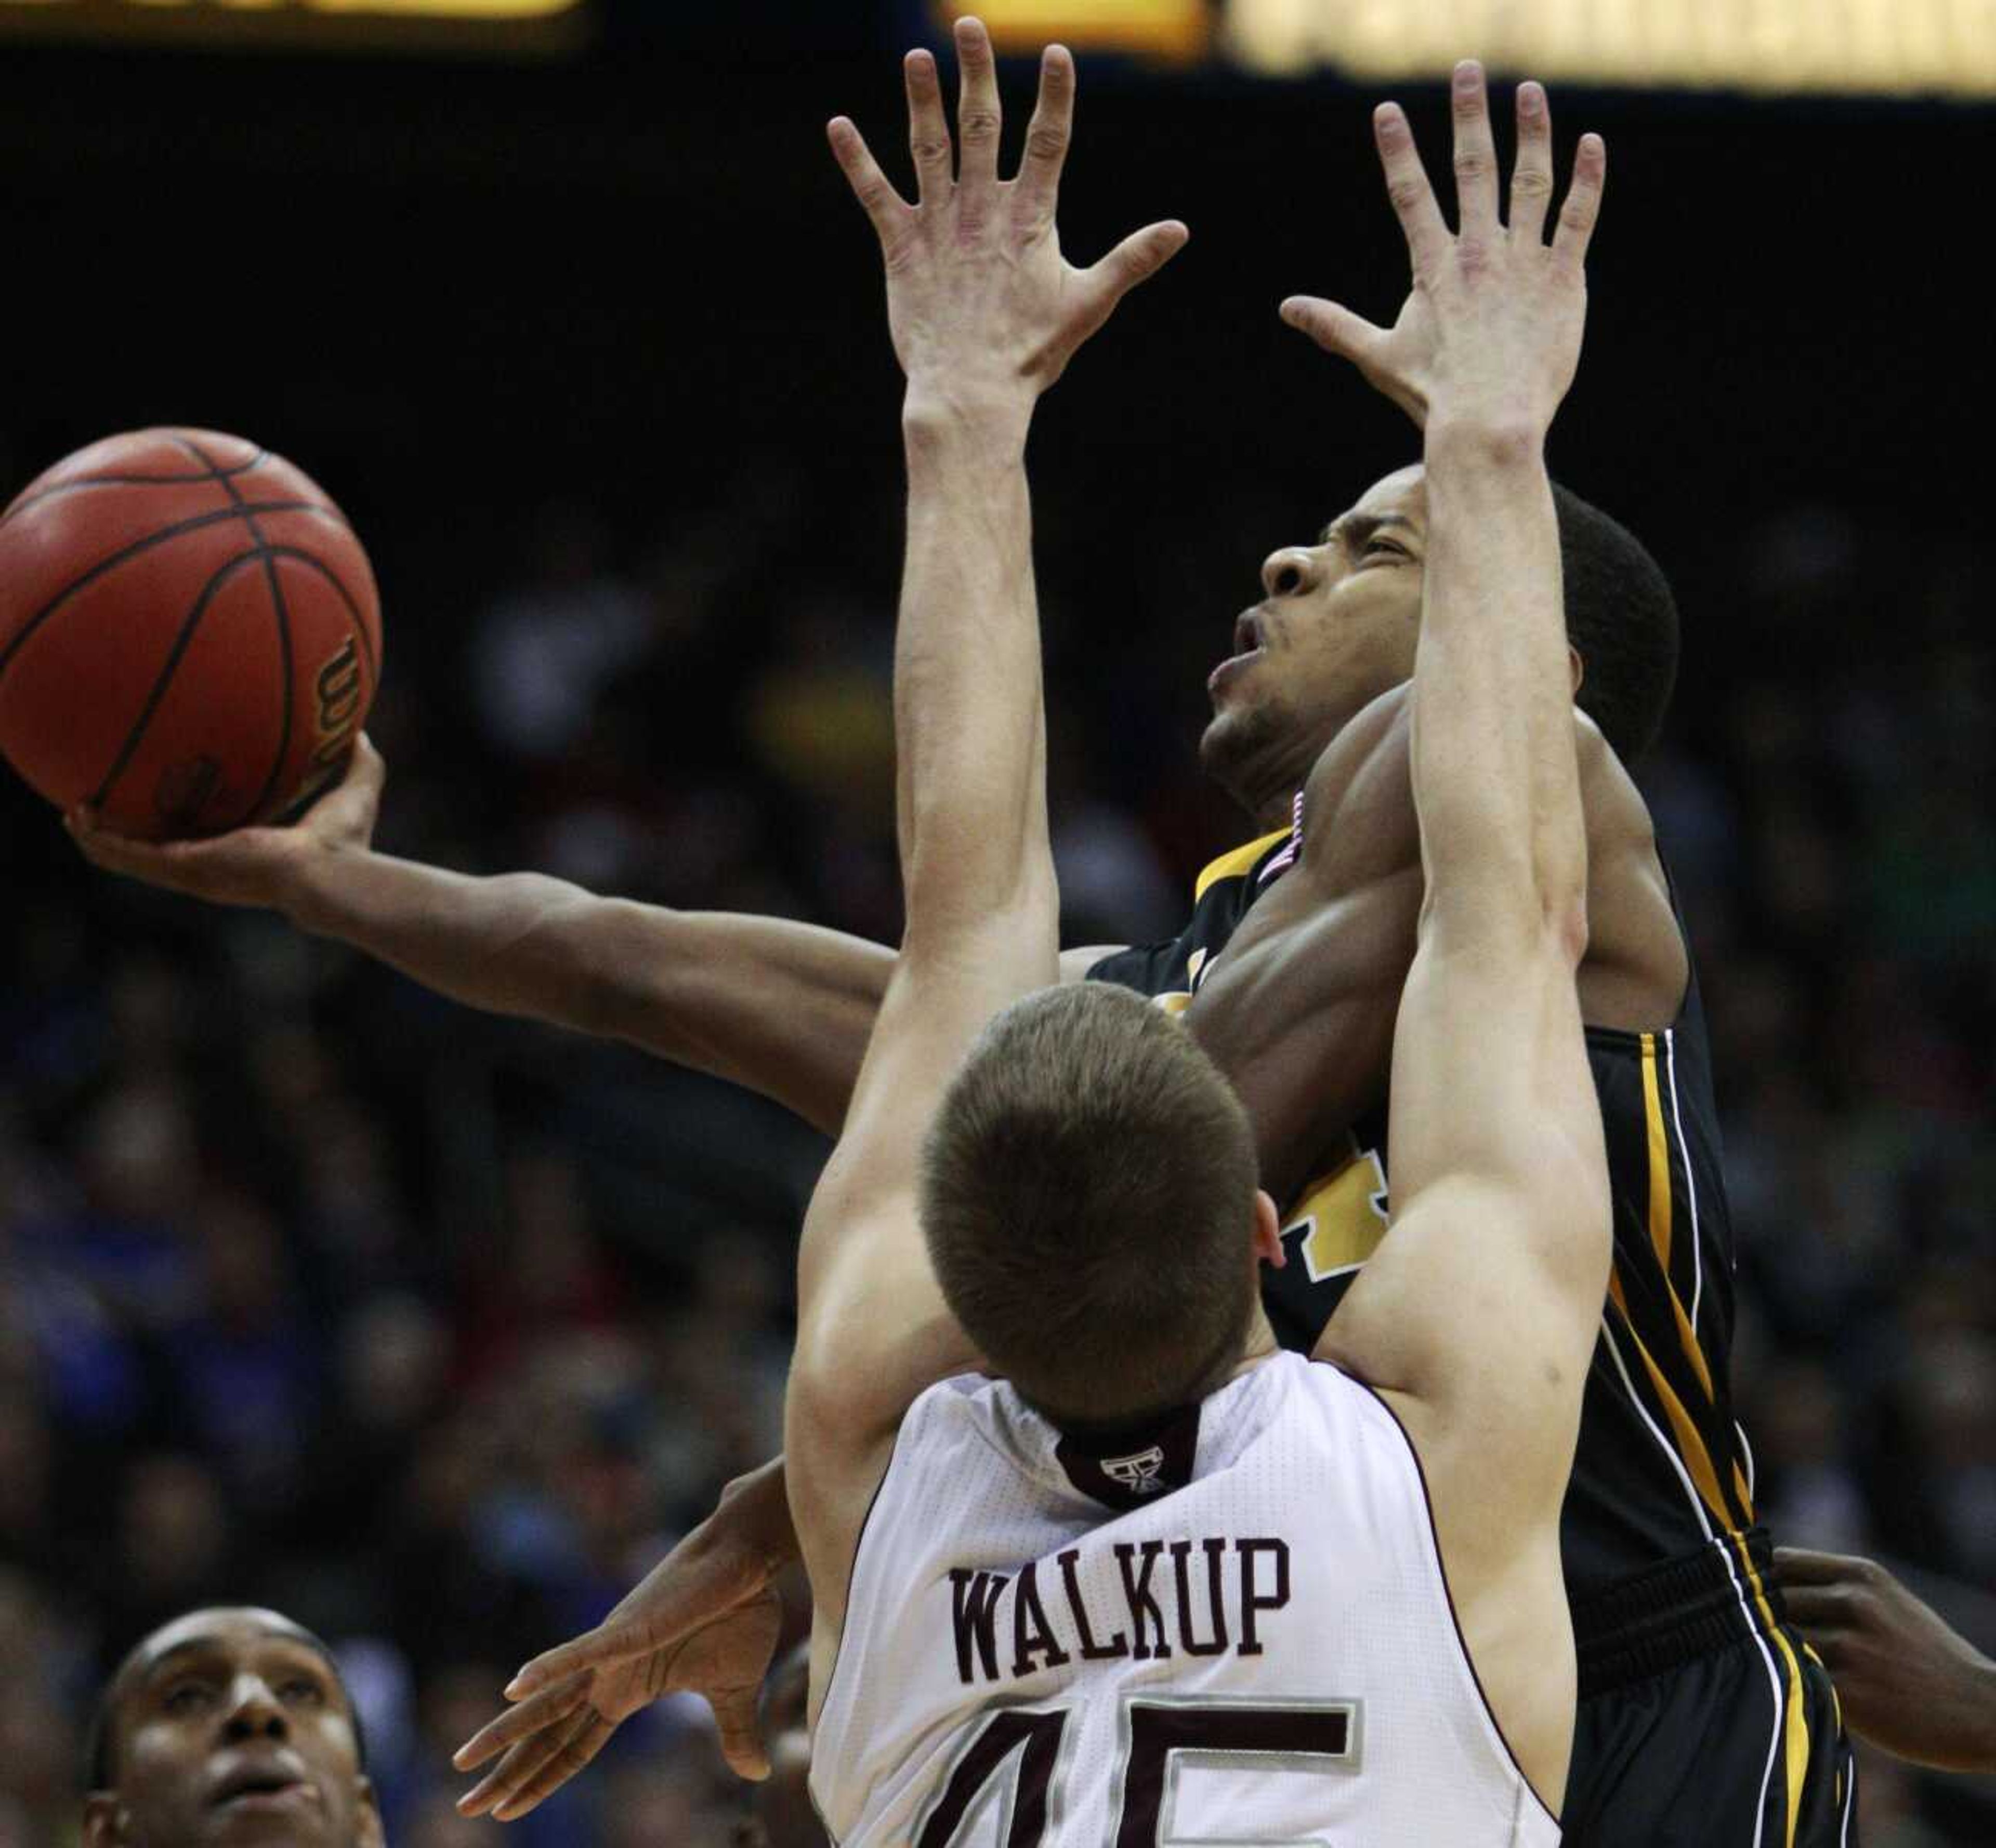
pixel 992 1564
pixel 1290 972
pixel 1008 1623
pixel 228 1725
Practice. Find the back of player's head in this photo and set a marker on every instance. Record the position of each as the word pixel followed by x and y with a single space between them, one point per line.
pixel 1088 1195
pixel 1622 621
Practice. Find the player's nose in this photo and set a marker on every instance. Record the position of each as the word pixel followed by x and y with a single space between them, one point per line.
pixel 1292 571
pixel 254 1712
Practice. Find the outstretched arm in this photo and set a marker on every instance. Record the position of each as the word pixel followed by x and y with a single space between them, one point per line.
pixel 985 314
pixel 1493 1113
pixel 782 1008
pixel 1476 1317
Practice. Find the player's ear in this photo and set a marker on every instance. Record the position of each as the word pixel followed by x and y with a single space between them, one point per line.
pixel 368 1832
pixel 1576 667
pixel 105 1824
pixel 1268 1248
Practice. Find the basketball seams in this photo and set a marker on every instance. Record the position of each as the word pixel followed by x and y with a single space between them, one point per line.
pixel 279 608
pixel 346 597
pixel 193 523
pixel 31 499
pixel 313 562
pixel 182 642
pixel 291 600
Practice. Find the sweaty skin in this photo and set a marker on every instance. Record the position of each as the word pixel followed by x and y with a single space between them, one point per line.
pixel 231 1726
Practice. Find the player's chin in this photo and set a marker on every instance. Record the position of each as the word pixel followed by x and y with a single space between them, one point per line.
pixel 1230 735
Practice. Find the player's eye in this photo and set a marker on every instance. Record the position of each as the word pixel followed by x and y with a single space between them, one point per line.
pixel 1389 548
pixel 303 1688
pixel 187 1697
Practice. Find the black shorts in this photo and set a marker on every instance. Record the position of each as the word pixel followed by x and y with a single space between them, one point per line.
pixel 1704 1722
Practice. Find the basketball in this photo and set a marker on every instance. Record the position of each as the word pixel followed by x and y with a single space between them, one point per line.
pixel 190 636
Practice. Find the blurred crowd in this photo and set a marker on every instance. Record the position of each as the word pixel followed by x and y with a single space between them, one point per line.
pixel 435 1330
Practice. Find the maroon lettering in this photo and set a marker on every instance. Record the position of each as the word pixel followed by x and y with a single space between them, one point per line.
pixel 1031 1634
pixel 973 1612
pixel 1215 1551
pixel 1142 1606
pixel 1251 1602
pixel 1091 1650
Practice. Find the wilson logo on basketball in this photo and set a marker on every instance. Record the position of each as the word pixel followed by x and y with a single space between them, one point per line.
pixel 338 702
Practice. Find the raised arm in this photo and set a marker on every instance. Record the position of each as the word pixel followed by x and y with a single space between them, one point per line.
pixel 1477 1315
pixel 985 314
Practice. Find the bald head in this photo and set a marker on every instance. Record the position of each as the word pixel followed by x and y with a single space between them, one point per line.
pixel 229 1725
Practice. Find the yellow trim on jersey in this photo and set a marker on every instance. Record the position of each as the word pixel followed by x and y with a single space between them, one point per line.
pixel 1232 866
pixel 1697 1458
pixel 1661 1212
pixel 1660 1157
pixel 1836 1700
pixel 1795 1742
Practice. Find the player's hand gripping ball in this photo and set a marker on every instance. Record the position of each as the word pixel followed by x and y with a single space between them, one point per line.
pixel 190 637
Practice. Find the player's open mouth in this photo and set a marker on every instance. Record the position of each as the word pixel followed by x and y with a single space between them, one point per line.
pixel 262 1788
pixel 1248 641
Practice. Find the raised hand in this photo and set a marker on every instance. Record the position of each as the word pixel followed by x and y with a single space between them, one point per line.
pixel 1491 329
pixel 248 866
pixel 983 308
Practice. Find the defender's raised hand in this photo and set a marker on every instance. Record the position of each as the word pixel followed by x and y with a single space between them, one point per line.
pixel 983 308
pixel 1490 332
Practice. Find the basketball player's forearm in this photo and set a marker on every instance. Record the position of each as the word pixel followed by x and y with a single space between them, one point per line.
pixel 784 1009
pixel 970 725
pixel 1496 783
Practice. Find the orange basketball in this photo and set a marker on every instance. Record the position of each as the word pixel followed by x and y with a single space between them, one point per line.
pixel 190 638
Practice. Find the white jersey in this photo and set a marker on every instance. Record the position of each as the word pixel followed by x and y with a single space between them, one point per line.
pixel 1048 1650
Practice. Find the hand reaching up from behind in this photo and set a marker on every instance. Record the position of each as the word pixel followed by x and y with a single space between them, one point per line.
pixel 1490 332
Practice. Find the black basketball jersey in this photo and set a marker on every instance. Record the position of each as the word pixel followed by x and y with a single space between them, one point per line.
pixel 1663 1469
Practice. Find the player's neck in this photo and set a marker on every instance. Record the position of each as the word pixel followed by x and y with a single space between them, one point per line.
pixel 1260 1344
pixel 1331 764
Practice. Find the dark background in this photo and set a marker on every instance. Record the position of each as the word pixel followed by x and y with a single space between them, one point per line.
pixel 592 346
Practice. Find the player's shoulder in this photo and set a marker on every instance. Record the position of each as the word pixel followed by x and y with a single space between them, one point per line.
pixel 1615 810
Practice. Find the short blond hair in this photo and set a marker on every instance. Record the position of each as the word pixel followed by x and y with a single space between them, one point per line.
pixel 1087 1194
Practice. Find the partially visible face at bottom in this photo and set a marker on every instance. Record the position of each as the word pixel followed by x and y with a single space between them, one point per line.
pixel 1335 627
pixel 230 1726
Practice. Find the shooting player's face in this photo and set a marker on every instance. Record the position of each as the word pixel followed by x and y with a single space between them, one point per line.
pixel 227 1727
pixel 1335 628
